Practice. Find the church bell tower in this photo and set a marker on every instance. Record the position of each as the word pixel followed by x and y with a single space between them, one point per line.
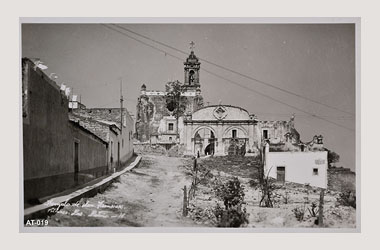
pixel 192 67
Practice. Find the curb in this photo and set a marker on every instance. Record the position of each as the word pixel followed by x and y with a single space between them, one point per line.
pixel 41 210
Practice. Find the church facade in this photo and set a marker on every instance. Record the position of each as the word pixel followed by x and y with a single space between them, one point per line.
pixel 229 130
pixel 178 116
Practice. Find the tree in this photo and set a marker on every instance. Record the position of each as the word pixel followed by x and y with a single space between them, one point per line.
pixel 332 157
pixel 175 102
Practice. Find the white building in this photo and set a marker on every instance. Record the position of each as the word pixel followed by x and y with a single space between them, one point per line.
pixel 299 167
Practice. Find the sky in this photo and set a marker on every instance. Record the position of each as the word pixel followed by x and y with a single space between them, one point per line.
pixel 314 61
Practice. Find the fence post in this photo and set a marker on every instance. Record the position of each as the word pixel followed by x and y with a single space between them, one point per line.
pixel 195 171
pixel 184 210
pixel 320 215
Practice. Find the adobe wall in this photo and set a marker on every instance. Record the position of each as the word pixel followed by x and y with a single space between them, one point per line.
pixel 48 139
pixel 46 133
pixel 92 152
pixel 92 164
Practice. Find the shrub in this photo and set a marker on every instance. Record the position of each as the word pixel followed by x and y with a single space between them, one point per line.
pixel 254 183
pixel 232 217
pixel 299 213
pixel 286 197
pixel 231 193
pixel 232 196
pixel 347 198
pixel 313 210
pixel 267 187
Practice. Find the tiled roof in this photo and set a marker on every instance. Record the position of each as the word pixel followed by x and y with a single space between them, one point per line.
pixel 98 128
pixel 110 116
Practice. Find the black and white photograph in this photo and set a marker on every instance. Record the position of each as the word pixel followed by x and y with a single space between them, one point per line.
pixel 197 125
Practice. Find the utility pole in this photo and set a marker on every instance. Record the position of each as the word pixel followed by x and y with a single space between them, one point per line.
pixel 320 215
pixel 178 111
pixel 121 105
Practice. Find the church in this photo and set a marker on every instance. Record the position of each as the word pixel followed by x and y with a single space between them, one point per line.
pixel 178 116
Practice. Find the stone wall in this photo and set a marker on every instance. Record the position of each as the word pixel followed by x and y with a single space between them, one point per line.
pixel 239 166
pixel 231 161
pixel 341 179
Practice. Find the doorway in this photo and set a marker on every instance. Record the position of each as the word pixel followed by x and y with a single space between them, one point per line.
pixel 265 134
pixel 281 174
pixel 204 142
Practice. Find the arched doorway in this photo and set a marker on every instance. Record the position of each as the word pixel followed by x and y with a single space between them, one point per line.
pixel 204 142
pixel 234 140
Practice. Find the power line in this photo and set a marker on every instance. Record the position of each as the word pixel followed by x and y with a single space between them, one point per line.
pixel 231 81
pixel 235 72
pixel 308 116
pixel 284 103
pixel 147 44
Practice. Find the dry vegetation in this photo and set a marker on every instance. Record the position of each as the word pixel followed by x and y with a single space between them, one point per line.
pixel 290 205
pixel 217 196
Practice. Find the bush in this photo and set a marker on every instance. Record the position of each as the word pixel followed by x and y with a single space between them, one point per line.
pixel 232 217
pixel 299 213
pixel 267 188
pixel 231 193
pixel 347 198
pixel 254 183
pixel 286 197
pixel 232 196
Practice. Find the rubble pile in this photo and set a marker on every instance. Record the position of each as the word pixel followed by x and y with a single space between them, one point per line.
pixel 176 151
pixel 147 149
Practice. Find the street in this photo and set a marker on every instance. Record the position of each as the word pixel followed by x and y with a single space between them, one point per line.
pixel 150 195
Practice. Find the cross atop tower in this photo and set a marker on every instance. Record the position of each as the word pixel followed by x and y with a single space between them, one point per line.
pixel 192 45
pixel 192 66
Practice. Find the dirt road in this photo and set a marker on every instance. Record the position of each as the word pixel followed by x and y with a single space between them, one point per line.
pixel 150 195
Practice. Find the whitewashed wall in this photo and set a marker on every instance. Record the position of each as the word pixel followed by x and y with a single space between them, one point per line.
pixel 299 166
